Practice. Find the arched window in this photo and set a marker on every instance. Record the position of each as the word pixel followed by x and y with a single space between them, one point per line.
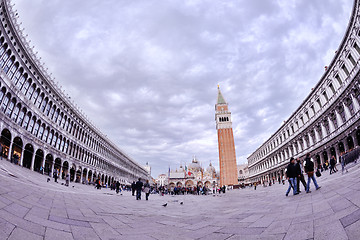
pixel 4 58
pixel 13 70
pixel 43 104
pixel 54 139
pixel 16 112
pixel 50 137
pixel 52 111
pixel 31 124
pixel 41 131
pixel 60 118
pixel 26 86
pixel 10 108
pixel 26 120
pixel 17 76
pixel 31 91
pixel 8 64
pixel 36 128
pixel 21 116
pixel 48 107
pixel 5 102
pixel 45 136
pixel 21 81
pixel 56 115
pixel 40 99
pixel 35 95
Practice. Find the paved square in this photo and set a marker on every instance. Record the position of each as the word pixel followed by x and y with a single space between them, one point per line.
pixel 32 208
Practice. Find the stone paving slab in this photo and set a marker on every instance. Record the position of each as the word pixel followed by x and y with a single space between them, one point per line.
pixel 32 208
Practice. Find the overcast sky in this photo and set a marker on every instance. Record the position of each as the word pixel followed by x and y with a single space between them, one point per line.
pixel 146 72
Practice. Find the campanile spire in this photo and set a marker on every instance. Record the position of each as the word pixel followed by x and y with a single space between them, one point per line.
pixel 226 144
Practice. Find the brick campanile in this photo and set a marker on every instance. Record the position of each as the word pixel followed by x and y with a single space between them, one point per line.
pixel 227 156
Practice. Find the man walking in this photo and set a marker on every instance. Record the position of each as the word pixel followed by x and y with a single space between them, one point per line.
pixel 138 186
pixel 300 175
pixel 309 169
pixel 332 165
pixel 291 176
pixel 343 163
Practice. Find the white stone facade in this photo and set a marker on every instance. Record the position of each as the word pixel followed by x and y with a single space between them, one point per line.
pixel 42 127
pixel 327 122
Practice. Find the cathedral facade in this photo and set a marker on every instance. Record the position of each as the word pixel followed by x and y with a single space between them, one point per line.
pixel 193 175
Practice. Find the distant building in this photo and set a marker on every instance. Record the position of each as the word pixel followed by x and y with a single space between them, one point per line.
pixel 243 174
pixel 162 180
pixel 227 156
pixel 148 168
pixel 193 175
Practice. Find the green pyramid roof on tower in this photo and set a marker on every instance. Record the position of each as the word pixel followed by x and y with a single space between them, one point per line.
pixel 220 98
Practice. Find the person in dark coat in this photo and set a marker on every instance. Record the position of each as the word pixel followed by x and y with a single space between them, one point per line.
pixel 291 177
pixel 117 186
pixel 138 187
pixel 300 175
pixel 309 169
pixel 133 187
pixel 332 165
pixel 147 189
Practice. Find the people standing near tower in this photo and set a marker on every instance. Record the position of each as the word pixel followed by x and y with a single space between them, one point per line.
pixel 309 169
pixel 138 187
pixel 300 175
pixel 291 176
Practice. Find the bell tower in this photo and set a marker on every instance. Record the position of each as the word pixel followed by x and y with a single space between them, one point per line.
pixel 227 155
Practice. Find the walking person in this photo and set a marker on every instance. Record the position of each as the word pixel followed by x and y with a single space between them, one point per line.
pixel 117 186
pixel 67 179
pixel 291 177
pixel 309 169
pixel 332 165
pixel 300 175
pixel 343 164
pixel 55 175
pixel 138 186
pixel 147 189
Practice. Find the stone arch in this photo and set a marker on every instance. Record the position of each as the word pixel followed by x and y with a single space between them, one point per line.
pixel 350 142
pixel 78 175
pixel 39 158
pixel 84 174
pixel 28 155
pixel 65 169
pixel 341 147
pixel 90 174
pixel 333 152
pixel 208 184
pixel 16 150
pixel 49 161
pixel 57 165
pixel 5 141
pixel 72 172
pixel 358 137
pixel 189 183
pixel 179 184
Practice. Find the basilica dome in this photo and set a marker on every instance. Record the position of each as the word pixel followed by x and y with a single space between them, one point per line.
pixel 194 166
pixel 210 169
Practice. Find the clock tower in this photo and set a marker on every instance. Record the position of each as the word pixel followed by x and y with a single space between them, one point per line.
pixel 227 155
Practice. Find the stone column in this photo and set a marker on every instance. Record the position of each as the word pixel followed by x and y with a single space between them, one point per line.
pixel 22 157
pixel 338 118
pixel 323 130
pixel 33 161
pixel 311 142
pixel 355 102
pixel 331 125
pixel 317 137
pixel 347 111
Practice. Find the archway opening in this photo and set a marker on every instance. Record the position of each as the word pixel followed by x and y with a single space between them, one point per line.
pixel 341 147
pixel 333 152
pixel 16 150
pixel 48 164
pixel 84 178
pixel 72 173
pixel 39 158
pixel 65 169
pixel 350 142
pixel 78 175
pixel 358 137
pixel 89 176
pixel 57 165
pixel 5 140
pixel 28 155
